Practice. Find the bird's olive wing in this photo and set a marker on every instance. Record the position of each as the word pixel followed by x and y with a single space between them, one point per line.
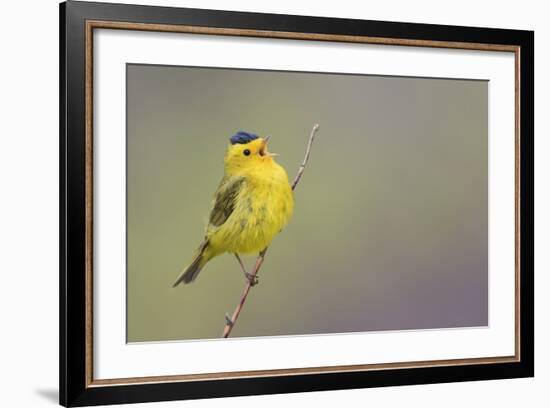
pixel 224 200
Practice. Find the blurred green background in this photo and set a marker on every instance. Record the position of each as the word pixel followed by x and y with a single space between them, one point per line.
pixel 390 223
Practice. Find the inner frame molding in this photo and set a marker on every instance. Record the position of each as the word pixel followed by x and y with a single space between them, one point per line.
pixel 90 25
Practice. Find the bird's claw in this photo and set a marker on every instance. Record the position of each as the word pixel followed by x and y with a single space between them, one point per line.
pixel 228 320
pixel 252 279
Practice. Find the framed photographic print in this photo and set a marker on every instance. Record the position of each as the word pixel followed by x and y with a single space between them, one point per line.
pixel 256 203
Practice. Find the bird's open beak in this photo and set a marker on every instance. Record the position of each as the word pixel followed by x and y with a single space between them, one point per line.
pixel 263 148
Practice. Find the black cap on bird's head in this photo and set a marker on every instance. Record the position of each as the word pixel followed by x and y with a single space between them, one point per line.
pixel 248 147
pixel 242 137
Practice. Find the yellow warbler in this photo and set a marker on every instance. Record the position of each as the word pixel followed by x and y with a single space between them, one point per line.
pixel 253 203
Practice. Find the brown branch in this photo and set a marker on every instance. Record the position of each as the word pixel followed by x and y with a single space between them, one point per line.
pixel 306 157
pixel 231 320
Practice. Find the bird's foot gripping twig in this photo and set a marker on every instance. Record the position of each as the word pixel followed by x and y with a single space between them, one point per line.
pixel 252 278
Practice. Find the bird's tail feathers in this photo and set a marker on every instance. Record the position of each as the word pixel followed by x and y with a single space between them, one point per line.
pixel 192 271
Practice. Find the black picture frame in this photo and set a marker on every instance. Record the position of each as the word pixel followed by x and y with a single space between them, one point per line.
pixel 75 390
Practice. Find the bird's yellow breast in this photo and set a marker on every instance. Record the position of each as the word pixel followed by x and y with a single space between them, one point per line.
pixel 263 207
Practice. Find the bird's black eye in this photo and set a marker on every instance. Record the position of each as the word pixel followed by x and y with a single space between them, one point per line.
pixel 246 152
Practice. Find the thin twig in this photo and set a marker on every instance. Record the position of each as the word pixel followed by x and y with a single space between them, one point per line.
pixel 230 321
pixel 306 157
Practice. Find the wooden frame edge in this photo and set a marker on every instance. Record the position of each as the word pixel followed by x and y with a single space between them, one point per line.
pixel 90 25
pixel 290 35
pixel 231 375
